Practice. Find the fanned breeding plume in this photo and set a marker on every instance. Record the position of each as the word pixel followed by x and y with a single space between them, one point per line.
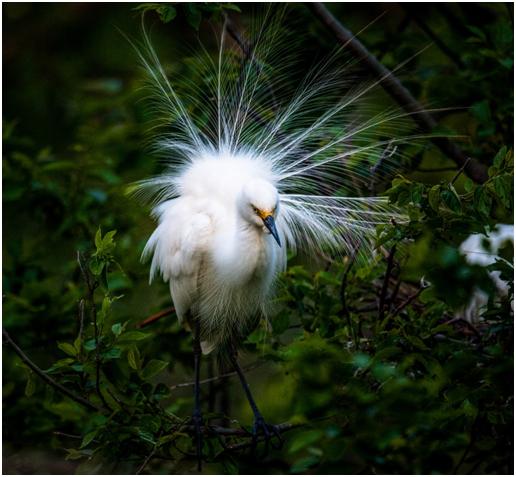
pixel 308 153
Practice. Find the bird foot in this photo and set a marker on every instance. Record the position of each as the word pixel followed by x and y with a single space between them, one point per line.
pixel 197 422
pixel 270 434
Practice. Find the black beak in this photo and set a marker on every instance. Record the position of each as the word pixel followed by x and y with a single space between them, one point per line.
pixel 269 223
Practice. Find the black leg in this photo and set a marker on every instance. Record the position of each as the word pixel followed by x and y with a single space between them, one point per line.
pixel 197 415
pixel 268 430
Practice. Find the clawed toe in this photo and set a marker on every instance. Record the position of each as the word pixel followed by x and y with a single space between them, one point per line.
pixel 271 435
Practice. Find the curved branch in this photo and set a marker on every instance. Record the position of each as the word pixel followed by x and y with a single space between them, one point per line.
pixel 45 377
pixel 392 85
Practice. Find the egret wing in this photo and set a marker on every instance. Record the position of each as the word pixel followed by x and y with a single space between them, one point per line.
pixel 178 246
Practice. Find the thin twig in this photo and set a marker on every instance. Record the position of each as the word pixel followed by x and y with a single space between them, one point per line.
pixel 157 316
pixel 466 323
pixel 235 431
pixel 149 457
pixel 460 171
pixel 393 86
pixel 383 292
pixel 243 445
pixel 433 36
pixel 45 377
pixel 343 301
pixel 215 378
pixel 92 285
pixel 81 324
pixel 408 301
pixel 64 434
pixel 394 293
pixel 436 169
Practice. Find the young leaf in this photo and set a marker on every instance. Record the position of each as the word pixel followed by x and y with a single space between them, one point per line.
pixel 153 367
pixel 68 348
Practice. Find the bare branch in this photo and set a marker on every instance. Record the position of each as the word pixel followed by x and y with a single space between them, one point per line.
pixel 236 431
pixel 215 378
pixel 383 292
pixel 157 316
pixel 392 85
pixel 408 301
pixel 343 286
pixel 149 457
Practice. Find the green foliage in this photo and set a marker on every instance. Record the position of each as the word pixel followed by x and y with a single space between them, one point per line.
pixel 369 355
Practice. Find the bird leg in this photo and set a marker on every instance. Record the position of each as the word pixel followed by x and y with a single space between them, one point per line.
pixel 269 431
pixel 197 415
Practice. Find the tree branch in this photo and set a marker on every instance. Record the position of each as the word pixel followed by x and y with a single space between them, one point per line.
pixel 345 308
pixel 408 301
pixel 236 431
pixel 92 285
pixel 214 378
pixel 45 377
pixel 391 84
pixel 157 316
pixel 383 292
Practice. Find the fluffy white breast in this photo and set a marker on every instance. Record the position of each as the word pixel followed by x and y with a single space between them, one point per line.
pixel 213 259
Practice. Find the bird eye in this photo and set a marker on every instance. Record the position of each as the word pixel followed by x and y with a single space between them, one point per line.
pixel 255 210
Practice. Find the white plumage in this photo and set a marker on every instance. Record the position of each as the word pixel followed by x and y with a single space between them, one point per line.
pixel 216 253
pixel 260 159
pixel 479 249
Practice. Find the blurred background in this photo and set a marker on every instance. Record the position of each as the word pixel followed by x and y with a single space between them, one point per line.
pixel 416 394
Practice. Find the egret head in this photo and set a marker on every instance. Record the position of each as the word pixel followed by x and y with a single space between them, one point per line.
pixel 258 203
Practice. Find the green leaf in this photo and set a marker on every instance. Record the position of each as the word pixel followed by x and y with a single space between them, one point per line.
pixel 88 438
pixel 113 353
pixel 96 266
pixel 77 344
pixel 89 345
pixel 62 363
pixel 68 348
pixel 134 336
pixel 281 322
pixel 193 15
pixel 482 201
pixel 30 386
pixel 117 329
pixel 98 239
pixel 500 156
pixel 73 454
pixel 167 13
pixel 451 198
pixel 133 358
pixel 305 439
pixel 434 197
pixel 304 464
pixel 153 367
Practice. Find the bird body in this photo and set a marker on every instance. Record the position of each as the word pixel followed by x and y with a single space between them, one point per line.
pixel 214 250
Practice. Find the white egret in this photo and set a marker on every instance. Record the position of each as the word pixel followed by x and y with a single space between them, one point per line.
pixel 480 249
pixel 257 165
